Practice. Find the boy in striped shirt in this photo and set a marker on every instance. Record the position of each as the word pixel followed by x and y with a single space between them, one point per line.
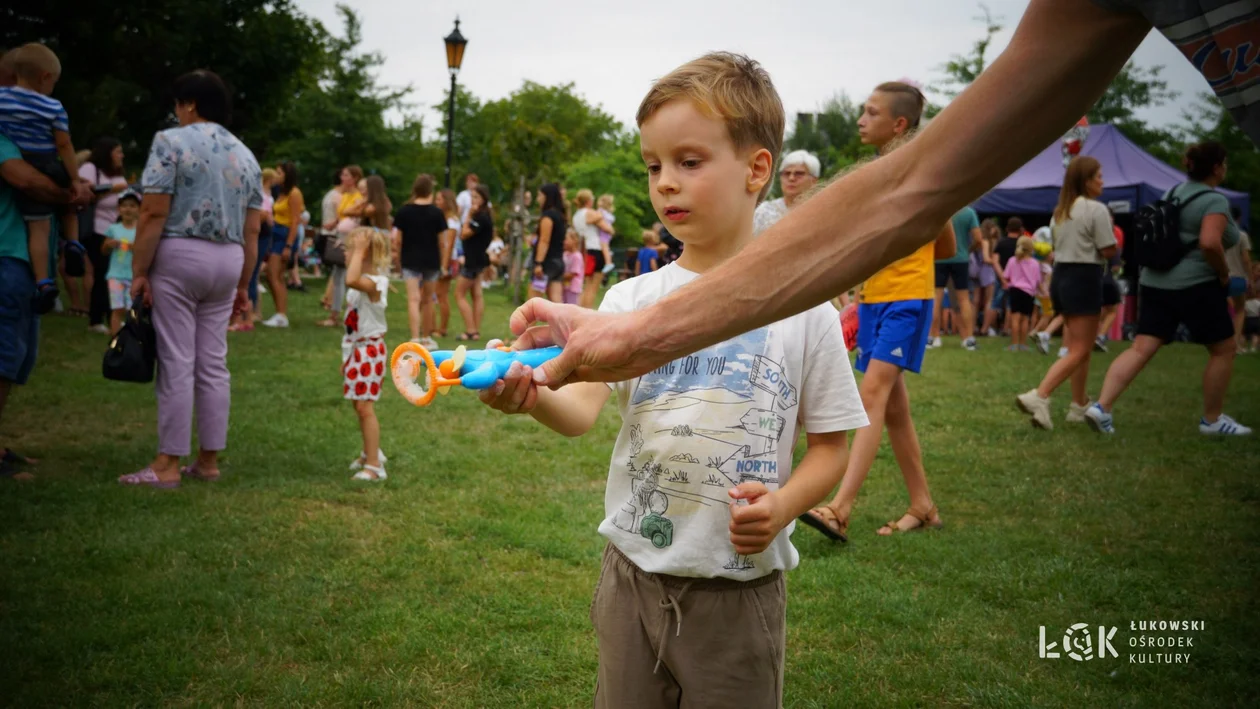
pixel 38 125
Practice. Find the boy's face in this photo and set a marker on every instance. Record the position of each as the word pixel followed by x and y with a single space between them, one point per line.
pixel 877 126
pixel 701 187
pixel 129 210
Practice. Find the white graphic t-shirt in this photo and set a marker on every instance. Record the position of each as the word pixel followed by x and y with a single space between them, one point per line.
pixel 702 424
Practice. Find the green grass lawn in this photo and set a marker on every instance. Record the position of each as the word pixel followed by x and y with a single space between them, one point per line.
pixel 465 580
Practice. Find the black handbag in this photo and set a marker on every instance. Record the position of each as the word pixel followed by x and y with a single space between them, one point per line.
pixel 132 354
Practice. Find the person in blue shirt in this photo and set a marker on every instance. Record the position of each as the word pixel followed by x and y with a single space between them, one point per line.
pixel 649 258
pixel 19 324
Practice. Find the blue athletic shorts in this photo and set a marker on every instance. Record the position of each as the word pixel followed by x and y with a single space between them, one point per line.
pixel 19 325
pixel 896 333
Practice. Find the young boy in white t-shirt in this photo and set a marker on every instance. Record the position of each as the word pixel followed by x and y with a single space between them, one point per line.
pixel 701 497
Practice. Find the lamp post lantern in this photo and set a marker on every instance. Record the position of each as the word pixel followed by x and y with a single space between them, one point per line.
pixel 454 57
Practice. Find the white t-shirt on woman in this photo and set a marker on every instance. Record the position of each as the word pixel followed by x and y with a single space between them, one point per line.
pixel 107 206
pixel 588 232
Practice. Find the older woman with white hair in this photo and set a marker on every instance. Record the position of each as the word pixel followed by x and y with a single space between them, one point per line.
pixel 798 173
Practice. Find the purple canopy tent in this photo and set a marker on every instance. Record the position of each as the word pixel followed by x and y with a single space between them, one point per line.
pixel 1133 178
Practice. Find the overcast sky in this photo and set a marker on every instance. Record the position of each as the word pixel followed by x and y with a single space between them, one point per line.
pixel 812 49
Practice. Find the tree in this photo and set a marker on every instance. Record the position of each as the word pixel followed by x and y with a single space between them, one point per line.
pixel 617 169
pixel 530 133
pixel 1135 88
pixel 962 69
pixel 119 59
pixel 831 134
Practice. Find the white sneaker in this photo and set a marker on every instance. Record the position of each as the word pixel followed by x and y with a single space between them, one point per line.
pixel 99 329
pixel 1062 352
pixel 262 288
pixel 1043 343
pixel 1038 408
pixel 934 343
pixel 609 268
pixel 992 333
pixel 486 284
pixel 1098 419
pixel 1076 413
pixel 428 343
pixel 969 344
pixel 1100 344
pixel 1224 426
pixel 277 320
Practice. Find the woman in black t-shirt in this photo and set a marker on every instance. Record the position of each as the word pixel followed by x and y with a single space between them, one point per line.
pixel 418 226
pixel 478 232
pixel 549 251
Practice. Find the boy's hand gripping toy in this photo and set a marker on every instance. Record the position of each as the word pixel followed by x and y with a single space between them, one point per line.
pixel 472 369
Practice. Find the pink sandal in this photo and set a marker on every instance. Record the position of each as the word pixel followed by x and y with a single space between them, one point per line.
pixel 192 471
pixel 149 478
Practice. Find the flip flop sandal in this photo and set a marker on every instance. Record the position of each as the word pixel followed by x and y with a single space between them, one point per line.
pixel 923 522
pixel 149 478
pixel 824 528
pixel 192 471
pixel 468 337
pixel 14 458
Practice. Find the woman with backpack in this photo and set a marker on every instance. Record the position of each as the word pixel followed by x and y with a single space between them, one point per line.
pixel 1083 242
pixel 1193 291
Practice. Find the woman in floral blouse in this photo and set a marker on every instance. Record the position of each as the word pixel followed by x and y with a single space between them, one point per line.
pixel 192 260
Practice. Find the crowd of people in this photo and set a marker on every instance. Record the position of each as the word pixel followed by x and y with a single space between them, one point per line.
pixel 758 369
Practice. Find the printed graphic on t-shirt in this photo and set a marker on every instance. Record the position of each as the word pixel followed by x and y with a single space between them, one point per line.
pixel 716 419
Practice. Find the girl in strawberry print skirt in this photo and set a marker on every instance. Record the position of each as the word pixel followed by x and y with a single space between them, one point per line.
pixel 364 354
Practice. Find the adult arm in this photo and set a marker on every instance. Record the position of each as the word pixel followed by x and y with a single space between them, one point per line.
pixel 544 241
pixel 253 224
pixel 1211 242
pixel 65 151
pixel 27 180
pixel 946 245
pixel 154 209
pixel 872 216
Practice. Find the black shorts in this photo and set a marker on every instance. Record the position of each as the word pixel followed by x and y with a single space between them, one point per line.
pixel 50 165
pixel 1110 291
pixel 1201 307
pixel 957 272
pixel 1076 289
pixel 1021 302
pixel 553 269
pixel 594 262
pixel 1251 326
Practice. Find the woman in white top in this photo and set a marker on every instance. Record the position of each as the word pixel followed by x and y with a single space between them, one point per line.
pixel 446 201
pixel 104 172
pixel 588 221
pixel 1083 242
pixel 797 175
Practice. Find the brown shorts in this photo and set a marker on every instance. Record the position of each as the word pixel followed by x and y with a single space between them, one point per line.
pixel 669 641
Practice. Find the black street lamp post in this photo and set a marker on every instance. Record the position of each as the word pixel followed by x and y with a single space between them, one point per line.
pixel 454 57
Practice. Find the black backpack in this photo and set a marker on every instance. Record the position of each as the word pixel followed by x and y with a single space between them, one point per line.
pixel 1158 229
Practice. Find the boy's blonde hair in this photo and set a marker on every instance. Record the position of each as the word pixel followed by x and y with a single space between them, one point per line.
pixel 651 238
pixel 378 248
pixel 1025 246
pixel 731 87
pixel 605 202
pixel 32 61
pixel 584 198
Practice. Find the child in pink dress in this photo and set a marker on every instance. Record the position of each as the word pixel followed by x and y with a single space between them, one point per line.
pixel 574 267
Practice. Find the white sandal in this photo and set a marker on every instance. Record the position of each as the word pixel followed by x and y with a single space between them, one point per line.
pixel 362 459
pixel 371 473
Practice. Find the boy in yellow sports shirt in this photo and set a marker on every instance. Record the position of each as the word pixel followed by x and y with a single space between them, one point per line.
pixel 894 317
